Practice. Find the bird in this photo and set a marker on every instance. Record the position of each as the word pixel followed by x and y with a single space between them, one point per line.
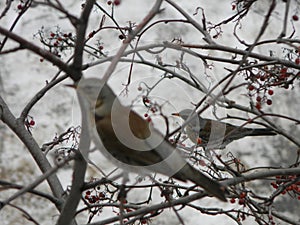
pixel 126 139
pixel 216 134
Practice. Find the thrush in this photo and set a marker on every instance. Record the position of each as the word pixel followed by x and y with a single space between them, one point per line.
pixel 127 140
pixel 216 134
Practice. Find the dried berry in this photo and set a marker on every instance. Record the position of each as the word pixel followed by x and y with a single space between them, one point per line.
pixel 295 17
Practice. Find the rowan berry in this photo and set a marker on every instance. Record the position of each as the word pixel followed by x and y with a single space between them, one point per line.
pixel 295 17
pixel 270 92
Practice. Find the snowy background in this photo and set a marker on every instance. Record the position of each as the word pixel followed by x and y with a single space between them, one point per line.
pixel 22 75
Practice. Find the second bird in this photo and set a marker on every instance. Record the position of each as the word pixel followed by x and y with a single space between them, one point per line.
pixel 216 134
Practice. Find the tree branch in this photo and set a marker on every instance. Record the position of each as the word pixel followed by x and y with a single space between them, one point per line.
pixel 17 126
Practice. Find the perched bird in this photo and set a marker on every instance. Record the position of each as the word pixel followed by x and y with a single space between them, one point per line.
pixel 127 140
pixel 216 134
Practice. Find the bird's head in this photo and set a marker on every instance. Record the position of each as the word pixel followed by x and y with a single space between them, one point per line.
pixel 97 93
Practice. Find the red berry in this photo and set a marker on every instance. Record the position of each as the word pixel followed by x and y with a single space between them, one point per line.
pixel 140 88
pixel 143 221
pixel 146 100
pixel 232 200
pixel 109 2
pixel 297 61
pixel 294 187
pixel 101 47
pixel 251 87
pixel 243 195
pixel 146 115
pixel 283 71
pixel 241 201
pixel 270 92
pixel 269 102
pixel 295 17
pixel 258 98
pixel 243 217
pixel 91 34
pixel 233 6
pixel 20 6
pixel 274 185
pixel 153 109
pixel 117 2
pixel 101 195
pixel 31 123
pixel 41 60
pixel 270 217
pixel 52 35
pixel 258 106
pixel 282 76
pixel 289 188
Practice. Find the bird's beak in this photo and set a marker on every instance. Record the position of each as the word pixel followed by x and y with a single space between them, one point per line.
pixel 71 85
pixel 175 114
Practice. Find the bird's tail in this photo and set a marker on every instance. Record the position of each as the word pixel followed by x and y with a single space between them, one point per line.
pixel 261 132
pixel 212 187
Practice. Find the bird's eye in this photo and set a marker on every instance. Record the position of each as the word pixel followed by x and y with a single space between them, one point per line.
pixel 99 102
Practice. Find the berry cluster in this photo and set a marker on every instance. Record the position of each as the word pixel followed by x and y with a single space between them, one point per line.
pixel 152 106
pixel 290 185
pixel 115 2
pixel 261 83
pixel 93 196
pixel 147 103
pixel 102 194
pixel 56 41
pixel 242 199
pixel 241 216
pixel 260 98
